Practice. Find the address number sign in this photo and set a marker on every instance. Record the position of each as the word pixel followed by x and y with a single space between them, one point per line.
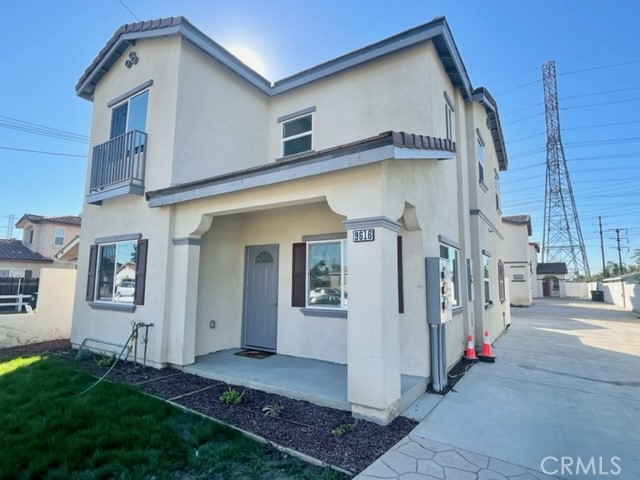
pixel 364 235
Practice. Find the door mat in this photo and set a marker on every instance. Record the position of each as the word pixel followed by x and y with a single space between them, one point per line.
pixel 254 354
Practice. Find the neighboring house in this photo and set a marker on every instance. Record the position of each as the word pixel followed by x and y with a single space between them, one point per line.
pixel 551 279
pixel 517 259
pixel 49 235
pixel 42 239
pixel 277 216
pixel 17 261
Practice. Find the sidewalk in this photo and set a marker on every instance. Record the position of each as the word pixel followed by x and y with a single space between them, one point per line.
pixel 566 383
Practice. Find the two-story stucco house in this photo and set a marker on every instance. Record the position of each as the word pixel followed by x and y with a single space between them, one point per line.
pixel 349 213
pixel 42 238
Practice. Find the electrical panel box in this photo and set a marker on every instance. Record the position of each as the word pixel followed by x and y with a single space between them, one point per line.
pixel 439 290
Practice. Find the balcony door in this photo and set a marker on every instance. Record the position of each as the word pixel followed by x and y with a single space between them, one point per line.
pixel 130 115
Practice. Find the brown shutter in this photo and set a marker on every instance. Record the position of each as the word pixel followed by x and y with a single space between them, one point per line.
pixel 400 278
pixel 299 275
pixel 141 271
pixel 91 275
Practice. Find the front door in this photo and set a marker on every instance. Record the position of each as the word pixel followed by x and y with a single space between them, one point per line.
pixel 260 322
pixel 546 291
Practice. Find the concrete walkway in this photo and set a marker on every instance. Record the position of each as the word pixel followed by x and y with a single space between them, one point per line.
pixel 566 383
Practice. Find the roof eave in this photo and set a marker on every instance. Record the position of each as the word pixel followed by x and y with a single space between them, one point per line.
pixel 483 96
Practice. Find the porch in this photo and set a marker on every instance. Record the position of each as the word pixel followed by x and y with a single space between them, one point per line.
pixel 316 381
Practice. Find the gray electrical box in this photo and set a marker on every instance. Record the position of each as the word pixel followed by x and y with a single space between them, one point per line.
pixel 439 290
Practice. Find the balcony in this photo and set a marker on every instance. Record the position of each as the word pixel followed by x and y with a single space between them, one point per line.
pixel 117 167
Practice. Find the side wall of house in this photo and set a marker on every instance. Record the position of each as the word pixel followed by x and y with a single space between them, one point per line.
pixel 158 61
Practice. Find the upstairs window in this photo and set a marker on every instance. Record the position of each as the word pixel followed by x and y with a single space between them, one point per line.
pixel 130 115
pixel 497 188
pixel 448 117
pixel 480 158
pixel 31 236
pixel 58 238
pixel 297 135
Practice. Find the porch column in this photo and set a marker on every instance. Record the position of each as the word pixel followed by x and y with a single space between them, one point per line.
pixel 183 300
pixel 373 339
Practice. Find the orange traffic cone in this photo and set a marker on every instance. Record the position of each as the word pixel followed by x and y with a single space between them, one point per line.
pixel 470 354
pixel 486 355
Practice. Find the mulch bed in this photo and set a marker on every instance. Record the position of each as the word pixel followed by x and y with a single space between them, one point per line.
pixel 300 425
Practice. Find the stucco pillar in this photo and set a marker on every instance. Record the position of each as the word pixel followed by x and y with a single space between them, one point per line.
pixel 181 334
pixel 373 337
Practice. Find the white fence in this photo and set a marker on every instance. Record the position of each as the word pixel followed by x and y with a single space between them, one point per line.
pixel 627 299
pixel 52 317
pixel 577 290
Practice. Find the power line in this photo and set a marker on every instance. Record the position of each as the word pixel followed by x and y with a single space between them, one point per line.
pixel 599 67
pixel 41 152
pixel 129 10
pixel 38 129
pixel 599 93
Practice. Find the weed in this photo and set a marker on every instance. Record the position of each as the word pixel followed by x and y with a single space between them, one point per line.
pixel 106 361
pixel 272 410
pixel 231 397
pixel 343 429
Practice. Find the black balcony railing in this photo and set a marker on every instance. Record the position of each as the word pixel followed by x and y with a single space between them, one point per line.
pixel 119 165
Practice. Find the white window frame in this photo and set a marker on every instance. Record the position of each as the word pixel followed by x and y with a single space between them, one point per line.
pixel 96 292
pixel 343 275
pixel 448 117
pixel 486 278
pixel 308 133
pixel 480 157
pixel 497 188
pixel 127 102
pixel 56 236
pixel 452 254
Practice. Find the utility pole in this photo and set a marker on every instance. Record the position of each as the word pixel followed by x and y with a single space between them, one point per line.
pixel 604 266
pixel 561 237
pixel 619 248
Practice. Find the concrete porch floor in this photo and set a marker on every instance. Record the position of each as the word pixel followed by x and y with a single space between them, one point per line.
pixel 316 381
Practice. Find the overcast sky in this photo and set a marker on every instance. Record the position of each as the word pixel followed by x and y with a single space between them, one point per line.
pixel 46 45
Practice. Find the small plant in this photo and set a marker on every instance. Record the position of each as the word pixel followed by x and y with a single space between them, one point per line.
pixel 106 361
pixel 343 429
pixel 231 397
pixel 272 410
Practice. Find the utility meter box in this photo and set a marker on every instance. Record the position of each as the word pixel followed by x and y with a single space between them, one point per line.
pixel 439 290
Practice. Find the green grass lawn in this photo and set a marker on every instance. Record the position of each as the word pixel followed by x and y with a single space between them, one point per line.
pixel 113 432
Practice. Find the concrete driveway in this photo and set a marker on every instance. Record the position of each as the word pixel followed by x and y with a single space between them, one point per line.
pixel 563 398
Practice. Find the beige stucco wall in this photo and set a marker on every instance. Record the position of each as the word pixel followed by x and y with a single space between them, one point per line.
pixel 52 318
pixel 221 120
pixel 516 251
pixel 159 60
pixel 126 216
pixel 391 93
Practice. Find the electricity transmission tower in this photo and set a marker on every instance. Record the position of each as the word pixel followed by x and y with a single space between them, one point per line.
pixel 562 238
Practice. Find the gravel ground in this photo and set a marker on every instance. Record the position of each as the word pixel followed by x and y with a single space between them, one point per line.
pixel 299 425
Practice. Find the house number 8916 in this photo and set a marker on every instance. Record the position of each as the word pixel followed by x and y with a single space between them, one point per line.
pixel 364 235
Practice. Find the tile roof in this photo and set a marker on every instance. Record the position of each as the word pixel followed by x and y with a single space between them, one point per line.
pixel 64 220
pixel 559 268
pixel 519 220
pixel 12 249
